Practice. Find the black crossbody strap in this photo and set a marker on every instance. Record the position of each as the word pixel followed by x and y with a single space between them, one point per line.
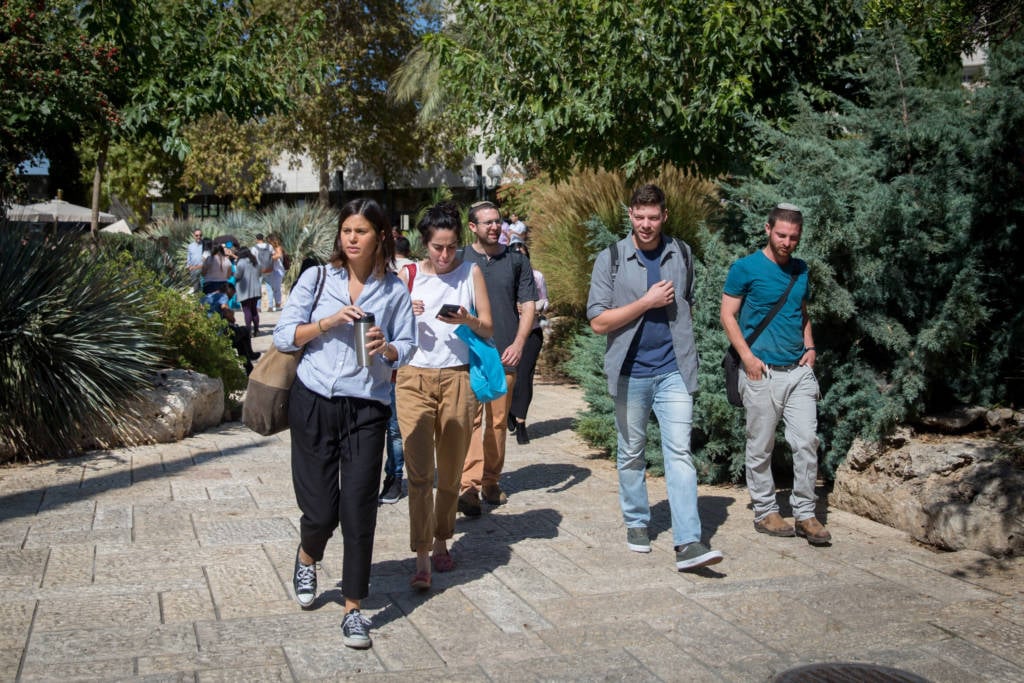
pixel 771 314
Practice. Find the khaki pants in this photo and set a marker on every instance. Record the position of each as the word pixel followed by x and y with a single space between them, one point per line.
pixel 435 416
pixel 486 456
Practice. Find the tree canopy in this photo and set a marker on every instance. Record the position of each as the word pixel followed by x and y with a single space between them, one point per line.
pixel 628 85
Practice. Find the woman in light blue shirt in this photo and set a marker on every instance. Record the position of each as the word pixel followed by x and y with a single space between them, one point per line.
pixel 338 410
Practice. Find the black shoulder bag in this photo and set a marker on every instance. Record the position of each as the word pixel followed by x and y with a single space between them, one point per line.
pixel 731 361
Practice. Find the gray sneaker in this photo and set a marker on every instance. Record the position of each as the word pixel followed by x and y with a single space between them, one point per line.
pixel 694 555
pixel 355 631
pixel 637 539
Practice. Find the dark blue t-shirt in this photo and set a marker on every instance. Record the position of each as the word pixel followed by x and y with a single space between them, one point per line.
pixel 651 353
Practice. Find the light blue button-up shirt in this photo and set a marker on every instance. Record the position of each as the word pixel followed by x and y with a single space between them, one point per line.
pixel 329 366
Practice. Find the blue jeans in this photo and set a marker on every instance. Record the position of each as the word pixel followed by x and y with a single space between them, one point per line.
pixel 667 396
pixel 395 462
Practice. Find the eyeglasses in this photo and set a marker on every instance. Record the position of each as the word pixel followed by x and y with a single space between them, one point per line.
pixel 496 221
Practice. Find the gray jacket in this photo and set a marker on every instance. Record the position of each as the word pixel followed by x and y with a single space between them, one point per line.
pixel 630 283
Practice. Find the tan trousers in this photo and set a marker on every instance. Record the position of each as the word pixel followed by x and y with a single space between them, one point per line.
pixel 435 415
pixel 486 456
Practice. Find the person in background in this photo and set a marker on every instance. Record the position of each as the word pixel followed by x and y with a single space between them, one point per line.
pixel 522 393
pixel 394 464
pixel 516 230
pixel 512 295
pixel 217 304
pixel 338 409
pixel 436 403
pixel 247 282
pixel 277 269
pixel 194 260
pixel 216 270
pixel 265 262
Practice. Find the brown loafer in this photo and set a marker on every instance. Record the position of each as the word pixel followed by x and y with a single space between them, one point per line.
pixel 813 531
pixel 774 525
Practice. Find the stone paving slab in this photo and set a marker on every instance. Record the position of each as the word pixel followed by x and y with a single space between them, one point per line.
pixel 173 563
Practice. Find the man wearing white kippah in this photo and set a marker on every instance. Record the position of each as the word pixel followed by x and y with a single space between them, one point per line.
pixel 778 379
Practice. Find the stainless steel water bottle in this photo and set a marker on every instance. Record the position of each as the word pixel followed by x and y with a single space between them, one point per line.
pixel 363 326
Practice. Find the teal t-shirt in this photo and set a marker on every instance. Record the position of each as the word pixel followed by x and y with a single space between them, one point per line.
pixel 760 282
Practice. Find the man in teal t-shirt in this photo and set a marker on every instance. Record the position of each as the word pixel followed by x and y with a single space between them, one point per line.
pixel 778 379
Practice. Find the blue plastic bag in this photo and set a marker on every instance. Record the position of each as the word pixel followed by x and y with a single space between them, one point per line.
pixel 486 373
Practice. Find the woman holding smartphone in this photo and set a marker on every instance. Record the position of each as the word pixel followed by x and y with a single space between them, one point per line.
pixel 339 409
pixel 436 404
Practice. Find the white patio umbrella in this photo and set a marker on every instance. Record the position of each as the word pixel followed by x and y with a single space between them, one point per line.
pixel 120 226
pixel 56 210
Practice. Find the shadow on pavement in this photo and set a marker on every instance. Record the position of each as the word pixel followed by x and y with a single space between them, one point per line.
pixel 552 478
pixel 485 545
pixel 714 510
pixel 120 476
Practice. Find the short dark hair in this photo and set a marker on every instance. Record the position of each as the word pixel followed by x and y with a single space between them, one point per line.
pixel 259 235
pixel 441 216
pixel 648 195
pixel 371 211
pixel 401 246
pixel 477 207
pixel 786 212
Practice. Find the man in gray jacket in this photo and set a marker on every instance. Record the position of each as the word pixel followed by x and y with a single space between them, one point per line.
pixel 641 292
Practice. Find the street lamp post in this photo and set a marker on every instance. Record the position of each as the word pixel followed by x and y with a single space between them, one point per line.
pixel 483 182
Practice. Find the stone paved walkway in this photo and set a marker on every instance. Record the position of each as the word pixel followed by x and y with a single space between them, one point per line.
pixel 173 562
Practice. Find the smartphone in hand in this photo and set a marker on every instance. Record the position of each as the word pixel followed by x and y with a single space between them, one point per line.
pixel 448 310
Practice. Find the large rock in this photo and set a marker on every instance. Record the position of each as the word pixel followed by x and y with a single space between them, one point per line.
pixel 960 492
pixel 180 403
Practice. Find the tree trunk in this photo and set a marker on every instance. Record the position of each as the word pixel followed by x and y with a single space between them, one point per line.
pixel 325 183
pixel 97 179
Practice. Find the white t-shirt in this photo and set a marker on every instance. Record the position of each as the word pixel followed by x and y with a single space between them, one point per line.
pixel 516 232
pixel 437 345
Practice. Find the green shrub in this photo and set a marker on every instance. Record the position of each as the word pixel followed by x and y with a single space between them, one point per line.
pixel 196 341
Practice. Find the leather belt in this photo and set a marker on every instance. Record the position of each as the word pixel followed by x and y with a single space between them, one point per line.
pixel 783 368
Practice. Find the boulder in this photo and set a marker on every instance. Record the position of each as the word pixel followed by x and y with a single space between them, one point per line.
pixel 180 403
pixel 954 492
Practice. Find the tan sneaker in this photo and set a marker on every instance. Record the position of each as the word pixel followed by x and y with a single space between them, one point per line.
pixel 813 531
pixel 774 525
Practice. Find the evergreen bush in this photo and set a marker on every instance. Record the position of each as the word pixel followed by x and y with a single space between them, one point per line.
pixel 912 202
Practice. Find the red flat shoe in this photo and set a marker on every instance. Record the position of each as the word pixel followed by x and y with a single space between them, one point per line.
pixel 442 563
pixel 421 581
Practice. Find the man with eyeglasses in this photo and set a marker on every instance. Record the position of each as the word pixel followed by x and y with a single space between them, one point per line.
pixel 509 279
pixel 194 260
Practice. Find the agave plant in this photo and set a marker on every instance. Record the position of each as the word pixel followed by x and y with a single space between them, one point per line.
pixel 304 231
pixel 76 340
pixel 242 224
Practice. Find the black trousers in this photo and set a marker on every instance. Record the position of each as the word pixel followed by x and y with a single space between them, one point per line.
pixel 522 392
pixel 337 447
